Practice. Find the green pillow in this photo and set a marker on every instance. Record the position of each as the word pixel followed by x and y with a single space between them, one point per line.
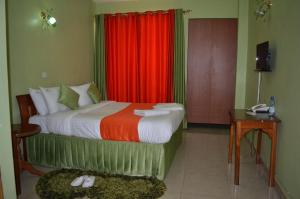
pixel 68 97
pixel 94 93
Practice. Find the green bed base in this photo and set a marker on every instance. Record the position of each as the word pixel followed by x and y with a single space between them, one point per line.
pixel 128 158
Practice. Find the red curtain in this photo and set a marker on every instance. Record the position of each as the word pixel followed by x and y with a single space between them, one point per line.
pixel 121 57
pixel 140 56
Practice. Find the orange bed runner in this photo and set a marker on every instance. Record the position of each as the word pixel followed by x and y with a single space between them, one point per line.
pixel 123 125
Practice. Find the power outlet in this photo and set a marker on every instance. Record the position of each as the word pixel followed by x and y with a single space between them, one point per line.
pixel 44 75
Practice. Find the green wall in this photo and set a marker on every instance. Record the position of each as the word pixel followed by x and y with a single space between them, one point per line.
pixel 200 9
pixel 65 52
pixel 282 29
pixel 6 160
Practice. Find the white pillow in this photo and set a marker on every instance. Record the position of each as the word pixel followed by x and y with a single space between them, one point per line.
pixel 84 98
pixel 38 101
pixel 51 96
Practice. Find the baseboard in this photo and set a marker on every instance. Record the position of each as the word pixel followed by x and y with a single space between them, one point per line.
pixel 283 194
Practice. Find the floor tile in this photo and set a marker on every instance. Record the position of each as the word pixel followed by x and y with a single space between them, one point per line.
pixel 208 184
pixel 170 195
pixel 202 196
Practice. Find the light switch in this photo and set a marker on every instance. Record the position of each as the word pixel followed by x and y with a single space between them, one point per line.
pixel 44 75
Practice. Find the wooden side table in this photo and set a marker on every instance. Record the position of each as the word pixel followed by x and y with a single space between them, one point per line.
pixel 19 133
pixel 1 188
pixel 242 123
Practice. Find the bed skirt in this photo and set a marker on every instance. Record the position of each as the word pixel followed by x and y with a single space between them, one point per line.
pixel 128 158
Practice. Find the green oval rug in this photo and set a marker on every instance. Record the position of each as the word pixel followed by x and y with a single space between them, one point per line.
pixel 56 185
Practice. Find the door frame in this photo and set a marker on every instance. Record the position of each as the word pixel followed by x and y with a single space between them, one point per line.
pixel 6 157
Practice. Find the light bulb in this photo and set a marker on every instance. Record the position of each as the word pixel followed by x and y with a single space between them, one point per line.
pixel 51 21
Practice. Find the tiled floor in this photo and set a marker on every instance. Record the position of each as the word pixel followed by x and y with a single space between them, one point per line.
pixel 200 170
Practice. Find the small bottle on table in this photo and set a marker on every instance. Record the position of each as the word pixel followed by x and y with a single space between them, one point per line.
pixel 272 106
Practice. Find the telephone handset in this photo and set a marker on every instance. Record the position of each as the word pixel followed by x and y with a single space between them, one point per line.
pixel 259 108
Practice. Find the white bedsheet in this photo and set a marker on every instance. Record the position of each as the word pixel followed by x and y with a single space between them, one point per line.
pixel 40 120
pixel 85 122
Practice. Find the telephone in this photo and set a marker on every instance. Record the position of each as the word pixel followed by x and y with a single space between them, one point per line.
pixel 260 108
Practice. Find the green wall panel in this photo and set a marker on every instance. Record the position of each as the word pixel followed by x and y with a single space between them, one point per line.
pixel 65 52
pixel 282 28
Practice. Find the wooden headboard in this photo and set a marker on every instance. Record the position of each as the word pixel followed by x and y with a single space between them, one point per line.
pixel 26 107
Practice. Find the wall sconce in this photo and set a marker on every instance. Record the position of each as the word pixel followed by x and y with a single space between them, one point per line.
pixel 47 19
pixel 263 8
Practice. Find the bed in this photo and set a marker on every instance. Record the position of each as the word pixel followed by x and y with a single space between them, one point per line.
pixel 73 149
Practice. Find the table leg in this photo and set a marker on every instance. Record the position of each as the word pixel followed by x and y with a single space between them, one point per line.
pixel 258 147
pixel 1 188
pixel 24 165
pixel 273 156
pixel 230 143
pixel 28 167
pixel 237 154
pixel 24 149
pixel 16 163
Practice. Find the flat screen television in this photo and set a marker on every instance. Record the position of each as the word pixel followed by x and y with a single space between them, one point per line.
pixel 263 57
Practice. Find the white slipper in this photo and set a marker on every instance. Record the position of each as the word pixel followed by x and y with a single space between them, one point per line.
pixel 88 181
pixel 78 181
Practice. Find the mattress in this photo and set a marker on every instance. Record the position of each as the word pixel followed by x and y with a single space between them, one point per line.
pixel 85 122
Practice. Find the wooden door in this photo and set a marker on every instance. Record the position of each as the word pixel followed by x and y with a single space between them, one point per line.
pixel 212 55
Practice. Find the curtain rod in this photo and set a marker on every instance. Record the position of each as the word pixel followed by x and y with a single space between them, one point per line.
pixel 184 12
